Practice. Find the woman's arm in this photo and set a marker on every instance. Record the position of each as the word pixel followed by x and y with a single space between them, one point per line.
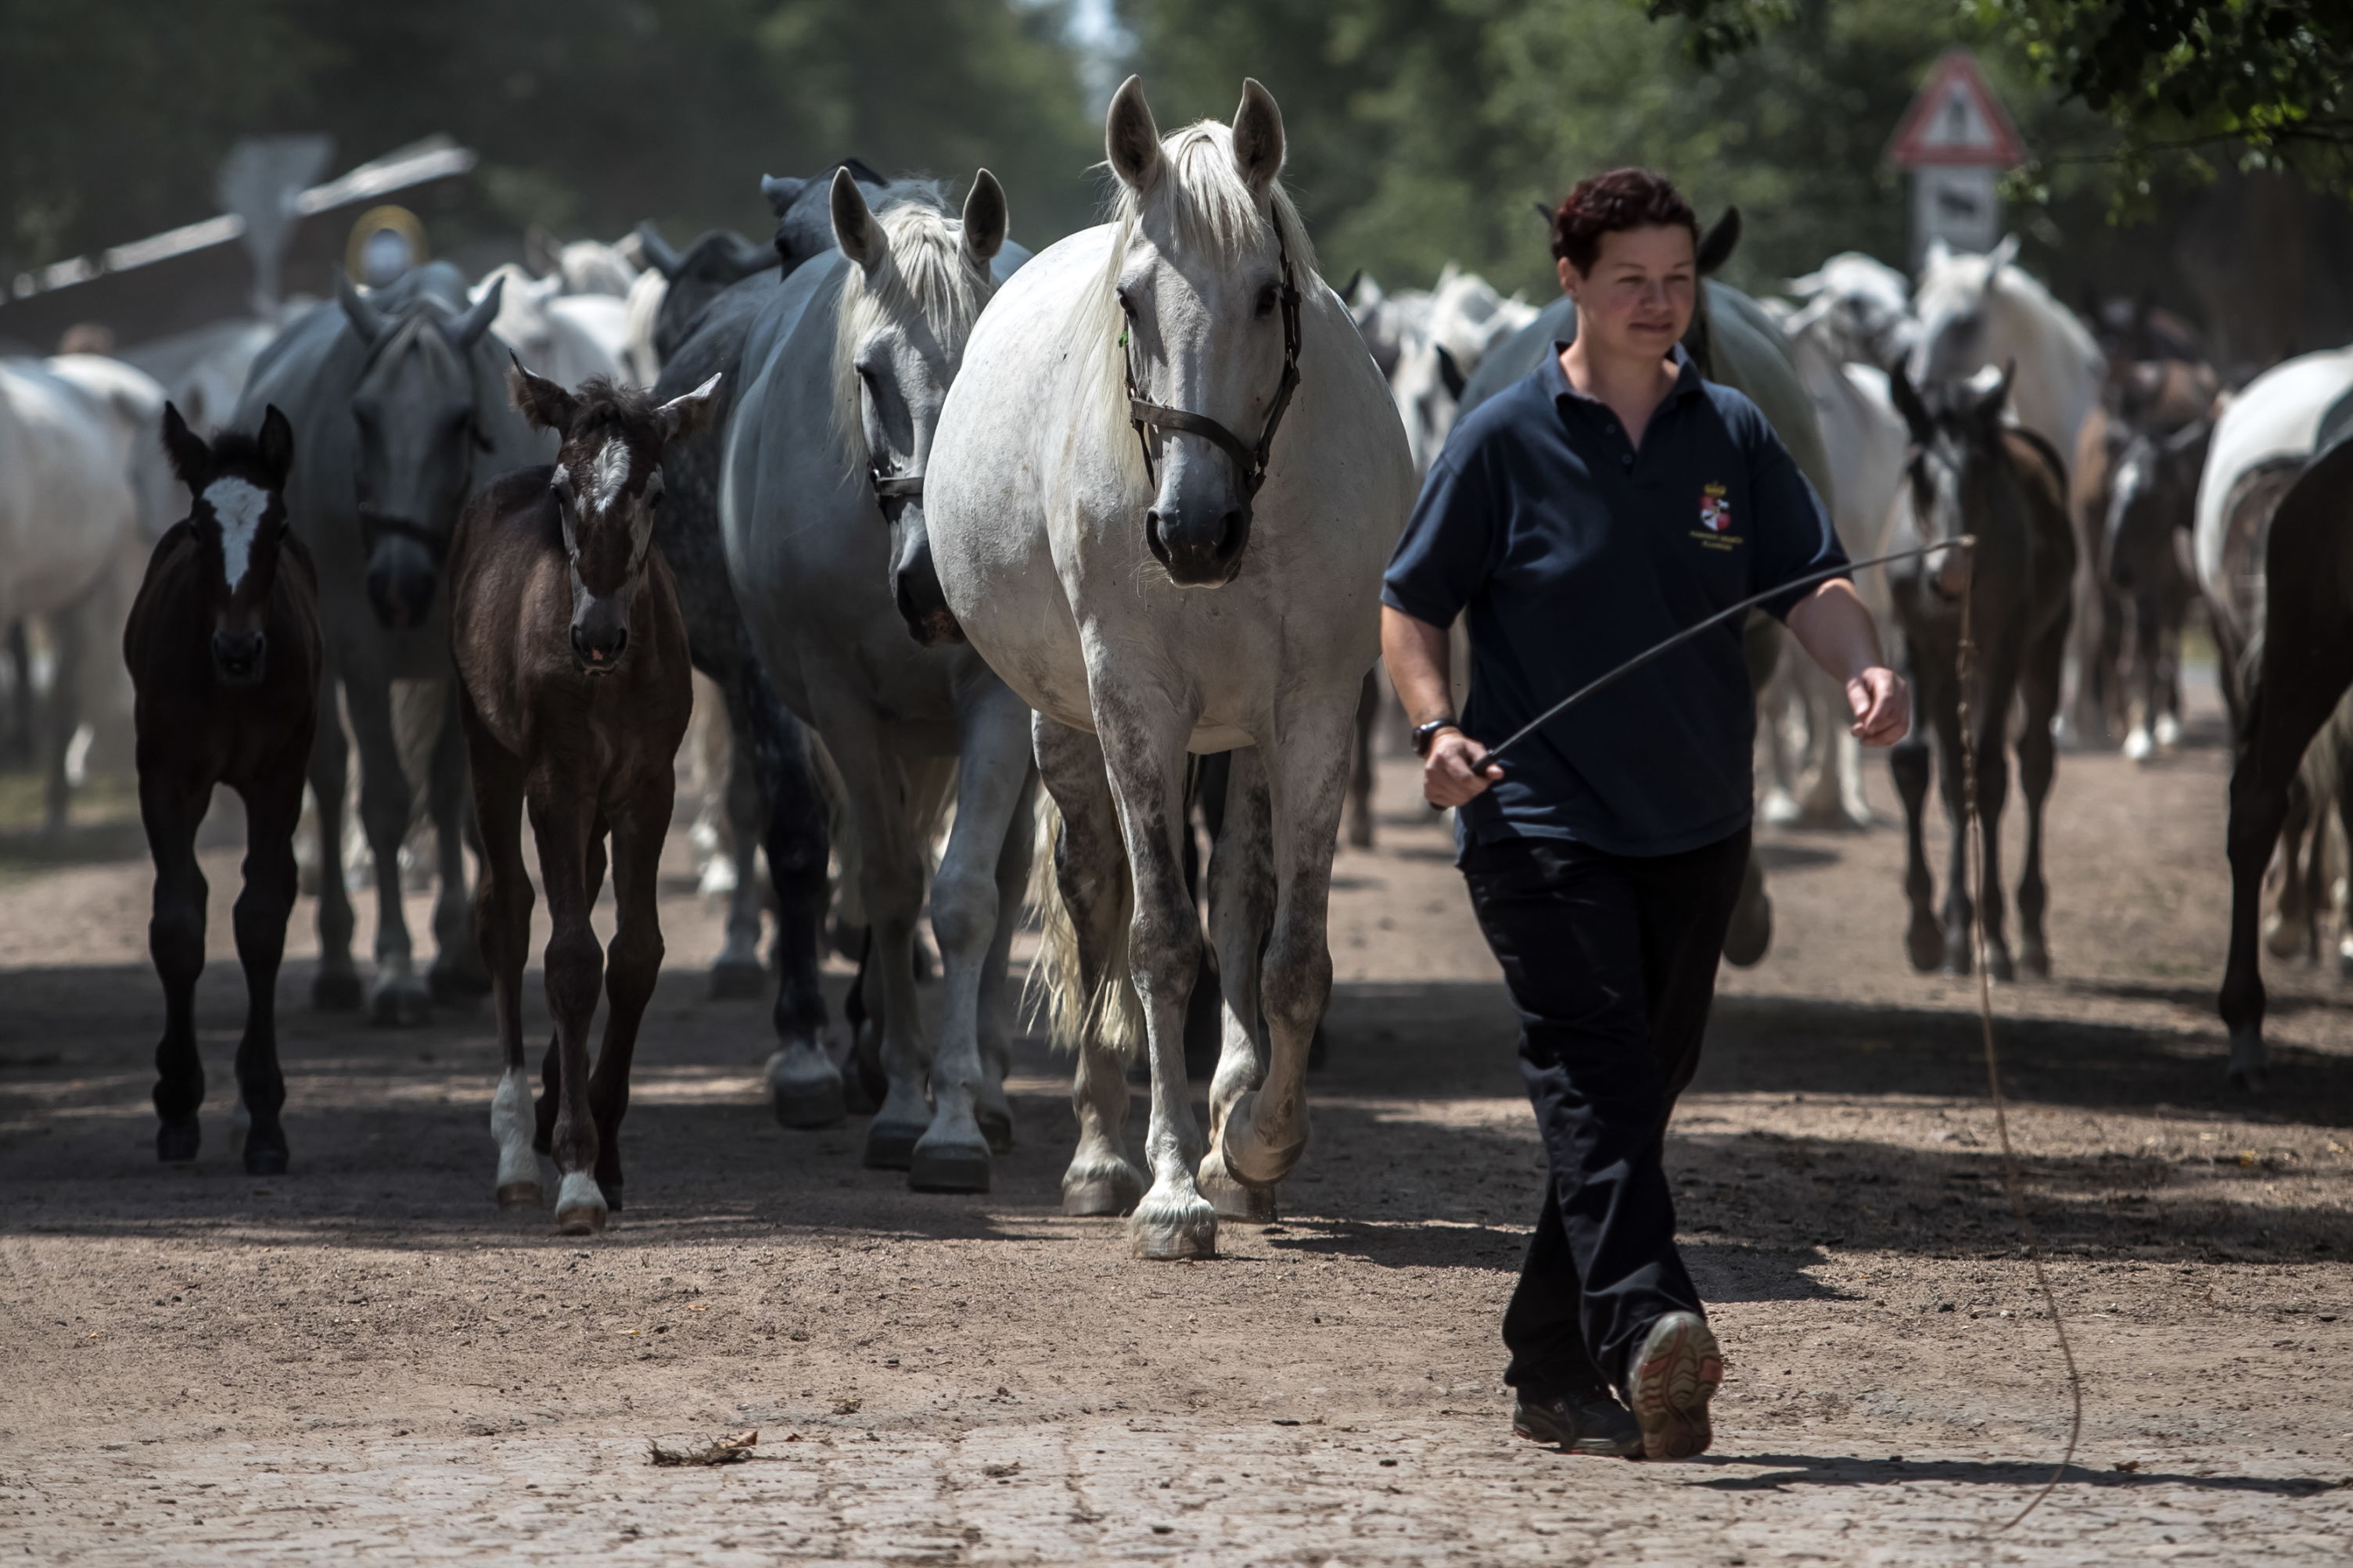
pixel 1416 654
pixel 1831 624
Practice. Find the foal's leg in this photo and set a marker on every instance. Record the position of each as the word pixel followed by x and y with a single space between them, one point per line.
pixel 458 973
pixel 274 804
pixel 2287 930
pixel 2140 742
pixel 992 784
pixel 400 997
pixel 503 901
pixel 1241 911
pixel 170 807
pixel 1909 761
pixel 2038 764
pixel 1143 737
pixel 562 821
pixel 738 971
pixel 1264 1134
pixel 336 986
pixel 1993 742
pixel 1090 875
pixel 1013 858
pixel 633 964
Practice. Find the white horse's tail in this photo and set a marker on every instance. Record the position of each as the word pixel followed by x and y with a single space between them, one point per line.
pixel 1111 1013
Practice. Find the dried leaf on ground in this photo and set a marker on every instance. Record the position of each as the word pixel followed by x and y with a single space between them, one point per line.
pixel 731 1450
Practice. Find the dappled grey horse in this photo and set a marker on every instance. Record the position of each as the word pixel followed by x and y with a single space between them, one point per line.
pixel 399 404
pixel 822 509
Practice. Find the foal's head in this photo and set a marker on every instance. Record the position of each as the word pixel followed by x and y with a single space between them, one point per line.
pixel 2152 493
pixel 1207 267
pixel 419 428
pixel 1958 435
pixel 237 513
pixel 920 279
pixel 607 484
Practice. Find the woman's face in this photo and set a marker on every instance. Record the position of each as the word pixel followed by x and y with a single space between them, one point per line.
pixel 1637 300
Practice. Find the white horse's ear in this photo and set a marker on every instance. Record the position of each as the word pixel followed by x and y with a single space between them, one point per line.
pixel 1936 255
pixel 1131 141
pixel 685 414
pixel 1258 137
pixel 985 217
pixel 854 228
pixel 2001 256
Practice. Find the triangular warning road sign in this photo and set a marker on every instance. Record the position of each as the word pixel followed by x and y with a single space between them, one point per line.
pixel 1955 120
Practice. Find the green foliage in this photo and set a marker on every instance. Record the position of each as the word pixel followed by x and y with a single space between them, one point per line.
pixel 589 114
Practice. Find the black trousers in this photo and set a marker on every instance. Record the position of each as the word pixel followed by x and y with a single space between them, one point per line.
pixel 1612 962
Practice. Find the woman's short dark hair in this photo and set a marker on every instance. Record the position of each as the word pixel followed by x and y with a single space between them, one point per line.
pixel 1606 204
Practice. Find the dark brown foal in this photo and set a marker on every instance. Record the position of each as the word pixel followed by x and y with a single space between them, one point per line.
pixel 572 661
pixel 222 645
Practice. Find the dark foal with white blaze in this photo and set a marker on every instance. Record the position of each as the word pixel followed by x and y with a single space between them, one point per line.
pixel 222 645
pixel 572 659
pixel 1971 473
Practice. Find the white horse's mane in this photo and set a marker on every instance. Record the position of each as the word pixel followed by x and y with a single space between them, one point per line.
pixel 927 273
pixel 1960 279
pixel 1201 200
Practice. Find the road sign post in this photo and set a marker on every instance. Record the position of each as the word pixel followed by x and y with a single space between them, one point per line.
pixel 1955 139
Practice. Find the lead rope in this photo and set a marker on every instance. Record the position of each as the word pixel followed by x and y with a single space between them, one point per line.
pixel 1966 670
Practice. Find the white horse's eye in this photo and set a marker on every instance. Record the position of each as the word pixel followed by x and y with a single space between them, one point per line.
pixel 1266 299
pixel 1126 304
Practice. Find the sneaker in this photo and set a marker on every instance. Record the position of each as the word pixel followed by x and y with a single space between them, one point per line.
pixel 1578 1424
pixel 1668 1382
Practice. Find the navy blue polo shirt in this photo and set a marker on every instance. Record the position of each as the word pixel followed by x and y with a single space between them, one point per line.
pixel 1571 550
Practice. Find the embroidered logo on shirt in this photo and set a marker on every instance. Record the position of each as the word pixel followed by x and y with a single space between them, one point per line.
pixel 1715 511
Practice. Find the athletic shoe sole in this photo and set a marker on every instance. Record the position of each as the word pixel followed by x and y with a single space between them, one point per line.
pixel 1674 1375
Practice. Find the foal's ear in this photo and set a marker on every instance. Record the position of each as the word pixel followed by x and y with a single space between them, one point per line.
pixel 277 446
pixel 854 228
pixel 685 414
pixel 985 218
pixel 1131 141
pixel 1908 403
pixel 192 460
pixel 541 401
pixel 1258 137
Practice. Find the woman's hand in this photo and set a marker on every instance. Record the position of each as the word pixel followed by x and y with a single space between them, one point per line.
pixel 1882 701
pixel 1457 770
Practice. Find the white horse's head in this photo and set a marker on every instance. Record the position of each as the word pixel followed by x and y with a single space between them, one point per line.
pixel 1961 306
pixel 1200 308
pixel 917 281
pixel 1860 307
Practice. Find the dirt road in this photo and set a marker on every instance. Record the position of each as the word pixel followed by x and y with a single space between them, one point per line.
pixel 366 1361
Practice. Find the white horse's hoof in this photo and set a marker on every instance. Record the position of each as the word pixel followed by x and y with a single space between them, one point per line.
pixel 2283 938
pixel 1779 808
pixel 1097 1187
pixel 805 1087
pixel 1172 1227
pixel 2138 747
pixel 1259 1149
pixel 521 1196
pixel 2168 733
pixel 401 1002
pixel 580 1206
pixel 949 1162
pixel 1235 1199
pixel 718 878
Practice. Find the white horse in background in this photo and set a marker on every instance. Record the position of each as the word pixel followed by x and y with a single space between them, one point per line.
pixel 1865 309
pixel 566 338
pixel 1866 442
pixel 1983 311
pixel 1466 317
pixel 134 404
pixel 641 314
pixel 71 549
pixel 1205 578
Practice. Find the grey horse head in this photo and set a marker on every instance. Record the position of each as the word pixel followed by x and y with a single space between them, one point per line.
pixel 419 429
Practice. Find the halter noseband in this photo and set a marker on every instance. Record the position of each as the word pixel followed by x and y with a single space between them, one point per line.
pixel 1250 460
pixel 889 488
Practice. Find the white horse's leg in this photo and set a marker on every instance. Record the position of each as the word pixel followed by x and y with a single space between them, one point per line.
pixel 1241 909
pixel 387 804
pixel 995 1112
pixel 1262 1137
pixel 1144 735
pixel 738 971
pixel 992 784
pixel 1090 873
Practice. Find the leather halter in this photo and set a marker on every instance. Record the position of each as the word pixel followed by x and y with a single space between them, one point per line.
pixel 889 488
pixel 1250 460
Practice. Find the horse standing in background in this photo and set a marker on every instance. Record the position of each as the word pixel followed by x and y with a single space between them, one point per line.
pixel 573 690
pixel 1970 472
pixel 1156 587
pixel 224 653
pixel 2152 502
pixel 398 401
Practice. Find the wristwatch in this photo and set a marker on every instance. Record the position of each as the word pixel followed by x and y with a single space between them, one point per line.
pixel 1423 735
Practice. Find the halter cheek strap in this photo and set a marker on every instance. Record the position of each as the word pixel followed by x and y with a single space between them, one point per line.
pixel 1250 460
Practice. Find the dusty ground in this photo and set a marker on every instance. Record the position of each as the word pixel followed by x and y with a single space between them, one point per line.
pixel 366 1361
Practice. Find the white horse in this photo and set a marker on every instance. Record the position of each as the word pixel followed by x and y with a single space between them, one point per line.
pixel 1437 355
pixel 566 338
pixel 1204 578
pixel 70 546
pixel 1866 307
pixel 821 508
pixel 642 315
pixel 1866 442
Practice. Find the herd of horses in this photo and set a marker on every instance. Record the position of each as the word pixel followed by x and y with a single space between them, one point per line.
pixel 943 522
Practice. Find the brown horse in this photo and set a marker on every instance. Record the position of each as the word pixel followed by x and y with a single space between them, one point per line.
pixel 222 645
pixel 572 659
